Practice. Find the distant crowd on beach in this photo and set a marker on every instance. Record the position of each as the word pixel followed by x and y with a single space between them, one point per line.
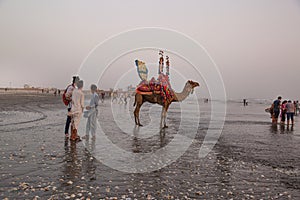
pixel 284 110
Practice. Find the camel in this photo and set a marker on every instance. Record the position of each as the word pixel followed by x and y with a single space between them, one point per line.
pixel 156 99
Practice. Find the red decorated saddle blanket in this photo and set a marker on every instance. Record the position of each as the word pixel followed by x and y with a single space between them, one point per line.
pixel 160 86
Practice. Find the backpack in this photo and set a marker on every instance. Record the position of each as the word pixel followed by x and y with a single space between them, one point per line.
pixel 64 98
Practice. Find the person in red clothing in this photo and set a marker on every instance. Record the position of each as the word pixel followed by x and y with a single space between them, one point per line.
pixel 283 112
pixel 68 94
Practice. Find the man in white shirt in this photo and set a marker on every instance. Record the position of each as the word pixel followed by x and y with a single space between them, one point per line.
pixel 76 110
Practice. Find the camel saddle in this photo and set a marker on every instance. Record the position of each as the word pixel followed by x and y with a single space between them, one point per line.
pixel 161 86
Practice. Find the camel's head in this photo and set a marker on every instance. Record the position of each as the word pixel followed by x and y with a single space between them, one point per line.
pixel 191 85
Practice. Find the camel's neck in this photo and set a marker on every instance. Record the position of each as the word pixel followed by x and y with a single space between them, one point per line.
pixel 182 95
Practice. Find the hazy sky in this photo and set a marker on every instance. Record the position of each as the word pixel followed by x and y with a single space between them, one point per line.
pixel 255 43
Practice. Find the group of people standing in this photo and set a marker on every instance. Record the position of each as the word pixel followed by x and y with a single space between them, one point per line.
pixel 285 110
pixel 73 98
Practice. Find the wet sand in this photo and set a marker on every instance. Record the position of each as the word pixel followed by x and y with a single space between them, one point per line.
pixel 252 159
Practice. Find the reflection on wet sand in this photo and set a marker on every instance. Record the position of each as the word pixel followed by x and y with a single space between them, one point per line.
pixel 72 165
pixel 90 145
pixel 281 128
pixel 137 143
pixel 89 162
pixel 274 128
pixel 79 166
pixel 290 128
pixel 162 135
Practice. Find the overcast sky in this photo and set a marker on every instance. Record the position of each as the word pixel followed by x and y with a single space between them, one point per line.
pixel 255 44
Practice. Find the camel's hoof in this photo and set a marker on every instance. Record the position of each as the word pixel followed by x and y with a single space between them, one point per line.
pixel 140 125
pixel 165 126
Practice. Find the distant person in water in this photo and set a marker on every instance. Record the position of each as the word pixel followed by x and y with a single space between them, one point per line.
pixel 114 95
pixel 68 94
pixel 102 96
pixel 296 107
pixel 276 110
pixel 290 111
pixel 76 111
pixel 91 124
pixel 125 98
pixel 245 102
pixel 283 112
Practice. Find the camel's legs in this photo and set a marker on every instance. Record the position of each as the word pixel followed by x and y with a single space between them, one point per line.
pixel 164 116
pixel 137 114
pixel 166 111
pixel 138 102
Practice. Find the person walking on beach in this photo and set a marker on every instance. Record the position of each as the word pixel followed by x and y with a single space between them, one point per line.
pixel 114 97
pixel 296 107
pixel 290 111
pixel 76 111
pixel 125 98
pixel 283 112
pixel 276 110
pixel 245 102
pixel 102 97
pixel 67 98
pixel 91 124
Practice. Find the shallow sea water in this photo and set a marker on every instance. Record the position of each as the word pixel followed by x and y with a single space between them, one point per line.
pixel 251 160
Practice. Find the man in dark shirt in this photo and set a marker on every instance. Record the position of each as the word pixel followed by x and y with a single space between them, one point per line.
pixel 276 110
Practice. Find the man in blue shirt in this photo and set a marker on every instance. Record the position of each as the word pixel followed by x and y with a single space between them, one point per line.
pixel 91 124
pixel 276 110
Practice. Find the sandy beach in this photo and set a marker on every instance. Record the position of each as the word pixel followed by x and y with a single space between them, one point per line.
pixel 252 159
